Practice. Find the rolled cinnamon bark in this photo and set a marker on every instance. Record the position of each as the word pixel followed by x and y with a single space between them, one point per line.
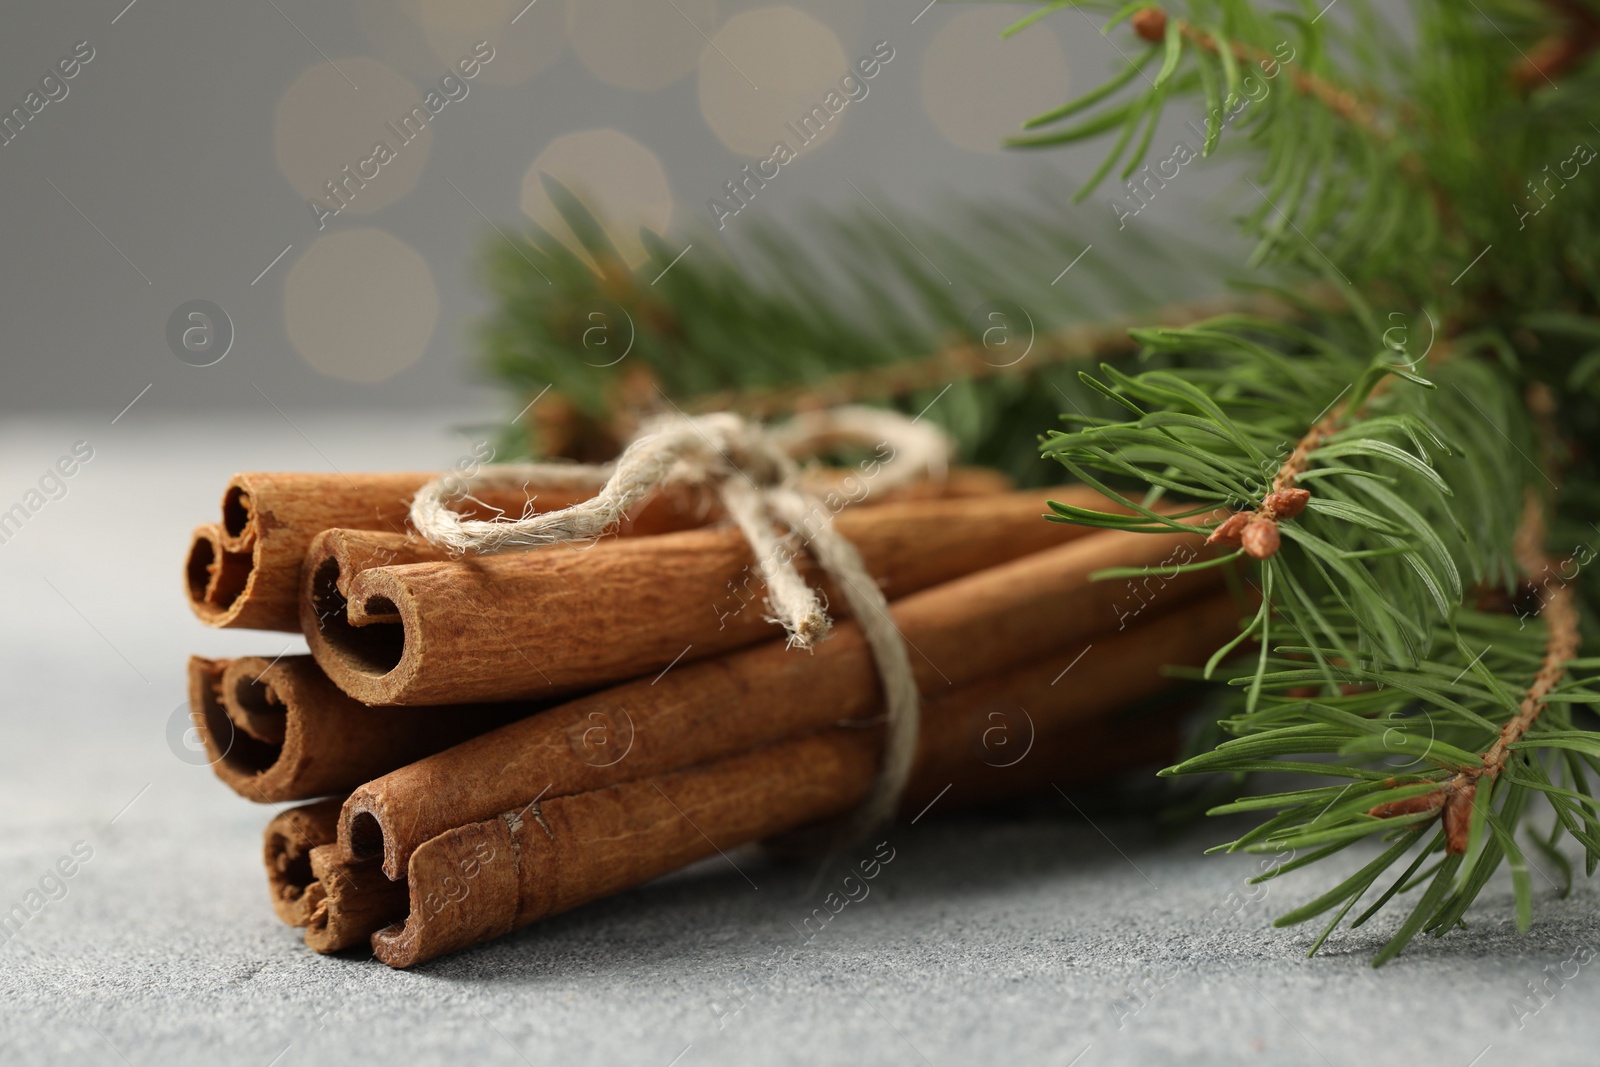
pixel 214 575
pixel 475 882
pixel 958 632
pixel 348 901
pixel 280 730
pixel 518 868
pixel 286 847
pixel 245 571
pixel 339 904
pixel 548 621
pixel 1019 731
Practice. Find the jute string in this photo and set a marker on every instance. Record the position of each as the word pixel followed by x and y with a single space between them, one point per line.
pixel 756 473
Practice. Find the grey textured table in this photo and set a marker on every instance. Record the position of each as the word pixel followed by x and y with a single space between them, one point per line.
pixel 1036 938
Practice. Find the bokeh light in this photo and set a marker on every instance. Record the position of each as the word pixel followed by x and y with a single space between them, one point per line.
pixel 766 68
pixel 323 124
pixel 978 89
pixel 620 180
pixel 640 44
pixel 360 305
pixel 453 28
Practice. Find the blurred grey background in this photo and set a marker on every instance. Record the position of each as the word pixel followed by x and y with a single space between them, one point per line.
pixel 182 159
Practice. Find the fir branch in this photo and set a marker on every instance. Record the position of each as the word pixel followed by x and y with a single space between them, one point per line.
pixel 1345 681
pixel 1256 530
pixel 1150 23
pixel 1397 472
pixel 1358 113
pixel 1455 799
pixel 965 361
pixel 1562 51
pixel 851 314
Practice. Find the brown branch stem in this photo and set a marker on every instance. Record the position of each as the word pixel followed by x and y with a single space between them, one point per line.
pixel 1560 52
pixel 1151 25
pixel 967 360
pixel 1336 98
pixel 557 428
pixel 1256 529
pixel 1455 797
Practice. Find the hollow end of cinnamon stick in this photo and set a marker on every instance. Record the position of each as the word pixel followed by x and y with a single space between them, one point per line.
pixel 238 529
pixel 253 703
pixel 359 641
pixel 236 755
pixel 281 730
pixel 364 838
pixel 286 850
pixel 214 576
pixel 348 902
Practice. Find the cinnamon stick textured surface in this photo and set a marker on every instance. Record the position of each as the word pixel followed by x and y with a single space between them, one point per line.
pixel 571 850
pixel 1019 731
pixel 479 881
pixel 1004 734
pixel 545 621
pixel 280 730
pixel 346 902
pixel 958 632
pixel 245 570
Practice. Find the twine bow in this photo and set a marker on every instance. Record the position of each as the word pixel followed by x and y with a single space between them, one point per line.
pixel 756 472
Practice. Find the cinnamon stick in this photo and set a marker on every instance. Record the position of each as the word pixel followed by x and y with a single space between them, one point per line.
pixel 215 577
pixel 286 847
pixel 1003 735
pixel 346 902
pixel 554 855
pixel 245 571
pixel 280 730
pixel 547 621
pixel 963 630
pixel 339 904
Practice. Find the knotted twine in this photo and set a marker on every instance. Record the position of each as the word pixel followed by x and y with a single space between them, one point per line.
pixel 755 471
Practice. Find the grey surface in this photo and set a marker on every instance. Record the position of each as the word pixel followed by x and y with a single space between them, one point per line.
pixel 1016 940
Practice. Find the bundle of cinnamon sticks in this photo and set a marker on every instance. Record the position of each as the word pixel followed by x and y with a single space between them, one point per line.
pixel 490 740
